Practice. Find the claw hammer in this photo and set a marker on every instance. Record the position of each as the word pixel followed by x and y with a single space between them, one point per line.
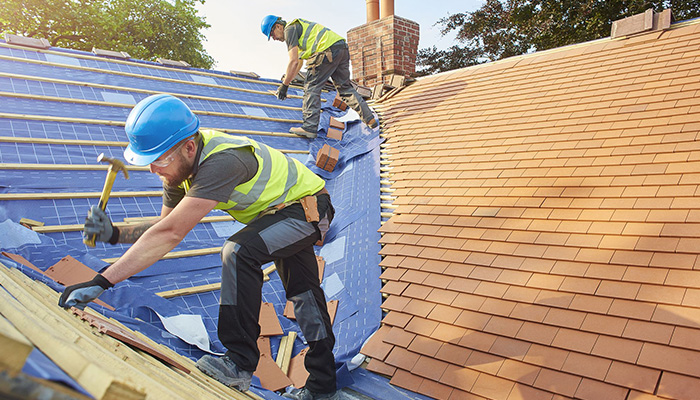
pixel 114 167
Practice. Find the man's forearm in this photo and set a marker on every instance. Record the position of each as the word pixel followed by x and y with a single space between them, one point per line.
pixel 151 247
pixel 131 233
pixel 293 69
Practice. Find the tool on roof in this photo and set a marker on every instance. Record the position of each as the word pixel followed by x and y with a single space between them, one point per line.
pixel 114 167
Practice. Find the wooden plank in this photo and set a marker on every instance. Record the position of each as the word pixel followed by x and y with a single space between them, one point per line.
pixel 66 167
pixel 179 254
pixel 60 349
pixel 190 290
pixel 121 123
pixel 284 354
pixel 132 365
pixel 76 195
pixel 14 347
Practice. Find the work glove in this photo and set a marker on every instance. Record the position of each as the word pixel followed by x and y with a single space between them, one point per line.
pixel 282 91
pixel 80 294
pixel 98 223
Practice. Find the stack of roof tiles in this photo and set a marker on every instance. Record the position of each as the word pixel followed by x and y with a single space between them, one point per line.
pixel 545 244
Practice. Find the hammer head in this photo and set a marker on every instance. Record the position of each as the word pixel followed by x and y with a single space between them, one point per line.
pixel 114 164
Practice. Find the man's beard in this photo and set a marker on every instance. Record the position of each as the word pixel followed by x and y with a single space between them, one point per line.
pixel 182 173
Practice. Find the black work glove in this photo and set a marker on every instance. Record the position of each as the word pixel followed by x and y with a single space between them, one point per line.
pixel 282 91
pixel 98 223
pixel 80 294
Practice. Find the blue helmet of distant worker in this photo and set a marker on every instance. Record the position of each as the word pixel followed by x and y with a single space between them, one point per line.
pixel 156 124
pixel 267 23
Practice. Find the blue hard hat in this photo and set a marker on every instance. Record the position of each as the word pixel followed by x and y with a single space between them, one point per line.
pixel 267 23
pixel 156 124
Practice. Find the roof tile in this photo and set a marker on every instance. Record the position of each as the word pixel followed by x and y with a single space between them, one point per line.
pixel 596 390
pixel 678 386
pixel 430 368
pixel 633 376
pixel 435 390
pixel 617 349
pixel 585 365
pixel 459 377
pixel 557 382
pixel 492 387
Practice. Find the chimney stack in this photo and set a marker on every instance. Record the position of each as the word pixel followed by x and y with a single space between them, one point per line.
pixel 383 46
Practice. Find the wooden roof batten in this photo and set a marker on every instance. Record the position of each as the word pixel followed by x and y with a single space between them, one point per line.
pixel 546 210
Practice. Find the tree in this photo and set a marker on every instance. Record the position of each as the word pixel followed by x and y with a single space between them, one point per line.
pixel 501 29
pixel 146 29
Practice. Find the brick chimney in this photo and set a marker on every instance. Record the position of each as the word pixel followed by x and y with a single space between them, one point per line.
pixel 383 47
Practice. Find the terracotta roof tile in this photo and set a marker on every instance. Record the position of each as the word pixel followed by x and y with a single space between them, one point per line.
pixel 402 358
pixel 421 326
pixel 406 380
pixel 565 318
pixel 617 349
pixel 586 365
pixel 375 347
pixel 398 337
pixel 523 392
pixel 441 296
pixel 596 390
pixel 453 354
pixel 633 376
pixel 648 331
pixel 557 382
pixel 632 309
pixel 435 390
pixel 678 386
pixel 381 368
pixel 477 340
pixel 492 387
pixel 430 368
pixel 521 294
pixel 497 307
pixel 668 358
pixel 395 318
pixel 459 377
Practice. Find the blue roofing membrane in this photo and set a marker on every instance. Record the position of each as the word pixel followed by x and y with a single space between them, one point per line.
pixel 72 95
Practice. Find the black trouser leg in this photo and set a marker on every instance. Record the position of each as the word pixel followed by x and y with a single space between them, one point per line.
pixel 287 239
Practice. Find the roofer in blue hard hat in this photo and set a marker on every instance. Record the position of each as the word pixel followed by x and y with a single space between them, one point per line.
pixel 327 56
pixel 285 206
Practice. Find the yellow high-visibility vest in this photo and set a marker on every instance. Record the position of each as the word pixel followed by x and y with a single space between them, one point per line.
pixel 314 38
pixel 279 179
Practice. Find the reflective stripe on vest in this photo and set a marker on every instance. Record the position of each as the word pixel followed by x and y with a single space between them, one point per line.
pixel 322 37
pixel 279 178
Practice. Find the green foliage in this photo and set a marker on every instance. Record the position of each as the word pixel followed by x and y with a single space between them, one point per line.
pixel 146 29
pixel 501 29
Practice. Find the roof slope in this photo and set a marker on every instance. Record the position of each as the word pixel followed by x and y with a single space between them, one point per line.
pixel 546 239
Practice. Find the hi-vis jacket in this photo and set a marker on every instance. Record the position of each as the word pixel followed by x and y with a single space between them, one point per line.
pixel 279 179
pixel 314 38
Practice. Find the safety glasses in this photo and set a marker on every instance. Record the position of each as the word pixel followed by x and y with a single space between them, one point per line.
pixel 169 158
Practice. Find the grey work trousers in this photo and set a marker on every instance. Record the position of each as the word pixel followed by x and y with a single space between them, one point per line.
pixel 339 71
pixel 287 239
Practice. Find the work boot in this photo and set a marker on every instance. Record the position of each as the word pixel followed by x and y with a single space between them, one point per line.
pixel 306 394
pixel 303 132
pixel 372 123
pixel 224 370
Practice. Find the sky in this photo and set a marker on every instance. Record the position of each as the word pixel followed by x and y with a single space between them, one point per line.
pixel 236 42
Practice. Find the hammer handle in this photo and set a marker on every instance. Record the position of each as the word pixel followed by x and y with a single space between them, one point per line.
pixel 106 190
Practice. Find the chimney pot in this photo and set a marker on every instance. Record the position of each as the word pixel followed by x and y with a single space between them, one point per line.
pixel 387 8
pixel 372 10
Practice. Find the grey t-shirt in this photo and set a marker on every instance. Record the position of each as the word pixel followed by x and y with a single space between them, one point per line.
pixel 292 33
pixel 216 177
